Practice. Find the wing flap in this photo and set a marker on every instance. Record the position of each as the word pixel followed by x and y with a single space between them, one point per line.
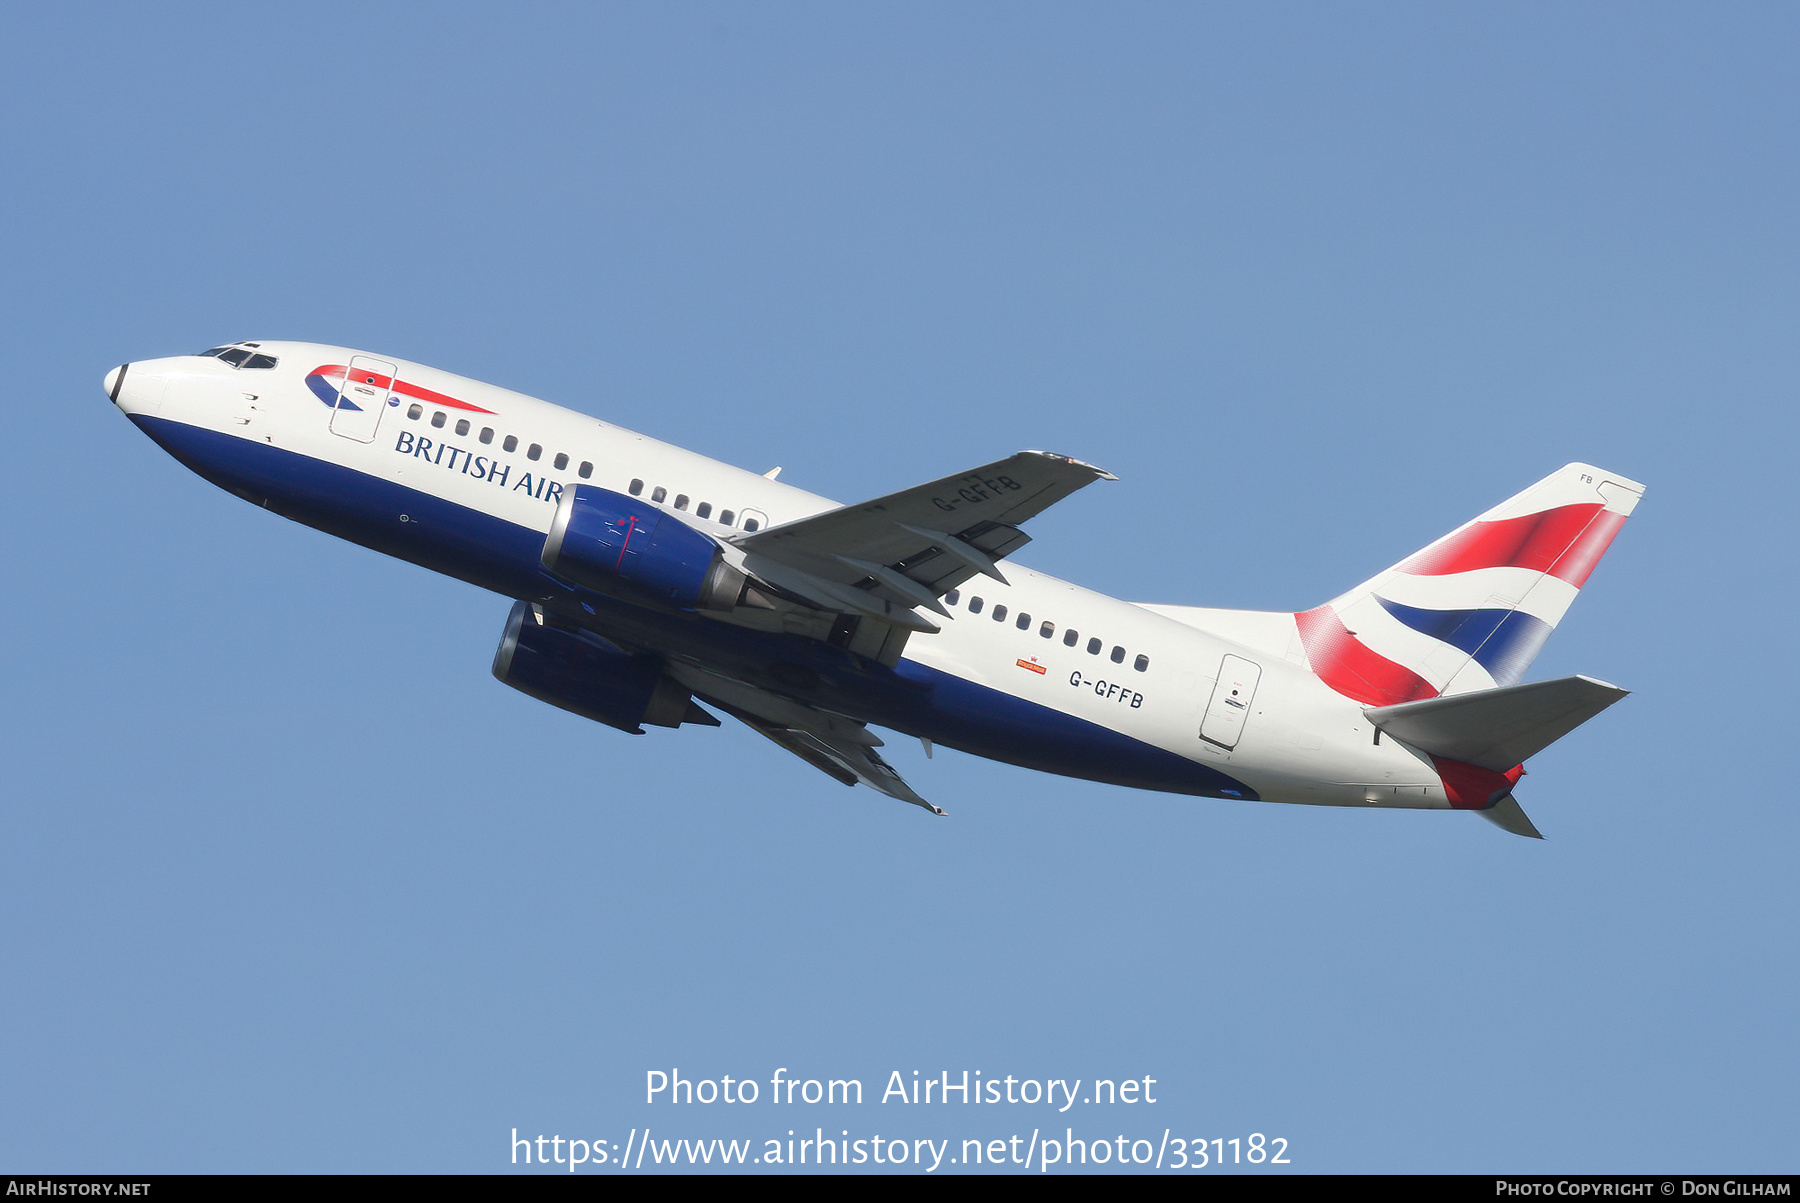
pixel 829 594
pixel 849 763
pixel 805 749
pixel 933 536
pixel 839 747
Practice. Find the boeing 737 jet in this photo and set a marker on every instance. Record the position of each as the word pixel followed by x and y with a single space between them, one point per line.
pixel 654 587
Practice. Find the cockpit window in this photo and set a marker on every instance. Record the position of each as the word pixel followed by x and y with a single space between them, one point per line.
pixel 241 355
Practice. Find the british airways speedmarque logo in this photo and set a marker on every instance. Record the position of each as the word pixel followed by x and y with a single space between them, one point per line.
pixel 369 388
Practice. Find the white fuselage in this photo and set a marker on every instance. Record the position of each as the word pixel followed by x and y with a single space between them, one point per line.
pixel 429 489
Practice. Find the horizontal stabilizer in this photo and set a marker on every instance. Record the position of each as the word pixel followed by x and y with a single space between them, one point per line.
pixel 1507 815
pixel 1497 728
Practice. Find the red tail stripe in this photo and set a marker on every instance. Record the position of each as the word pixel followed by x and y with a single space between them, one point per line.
pixel 1345 664
pixel 419 392
pixel 1575 564
pixel 1566 542
pixel 1470 787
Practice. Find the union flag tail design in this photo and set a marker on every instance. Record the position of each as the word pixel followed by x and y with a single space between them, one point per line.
pixel 1470 611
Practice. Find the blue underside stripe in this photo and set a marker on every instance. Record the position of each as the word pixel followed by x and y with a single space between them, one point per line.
pixel 1504 642
pixel 502 556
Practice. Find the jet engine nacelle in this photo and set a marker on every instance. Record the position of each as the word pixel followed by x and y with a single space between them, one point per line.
pixel 617 544
pixel 585 676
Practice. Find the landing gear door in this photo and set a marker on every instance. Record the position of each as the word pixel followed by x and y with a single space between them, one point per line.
pixel 362 398
pixel 1230 705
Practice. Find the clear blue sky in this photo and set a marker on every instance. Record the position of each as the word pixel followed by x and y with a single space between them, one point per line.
pixel 292 884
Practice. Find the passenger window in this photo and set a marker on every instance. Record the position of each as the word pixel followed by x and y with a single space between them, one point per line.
pixel 1142 664
pixel 511 443
pixel 462 426
pixel 533 451
pixel 751 524
pixel 1118 656
pixel 637 488
pixel 1071 637
pixel 658 493
pixel 951 597
pixel 561 461
pixel 487 434
pixel 999 613
pixel 437 419
pixel 975 604
pixel 586 471
pixel 681 500
pixel 1093 647
pixel 1024 623
pixel 1047 630
pixel 414 410
pixel 726 517
pixel 703 510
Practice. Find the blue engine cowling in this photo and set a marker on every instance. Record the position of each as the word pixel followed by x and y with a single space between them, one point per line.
pixel 618 544
pixel 586 676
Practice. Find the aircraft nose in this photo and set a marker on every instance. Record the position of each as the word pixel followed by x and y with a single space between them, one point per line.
pixel 113 380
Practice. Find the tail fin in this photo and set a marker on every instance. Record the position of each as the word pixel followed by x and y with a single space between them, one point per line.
pixel 1470 611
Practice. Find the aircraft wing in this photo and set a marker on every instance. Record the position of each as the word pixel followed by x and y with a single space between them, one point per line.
pixel 886 557
pixel 837 746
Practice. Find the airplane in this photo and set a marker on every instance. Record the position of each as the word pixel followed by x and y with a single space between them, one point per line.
pixel 653 586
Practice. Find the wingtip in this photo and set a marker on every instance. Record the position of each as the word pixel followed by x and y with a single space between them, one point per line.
pixel 1098 471
pixel 1618 689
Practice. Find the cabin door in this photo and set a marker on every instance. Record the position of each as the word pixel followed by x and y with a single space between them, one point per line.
pixel 362 398
pixel 1230 705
